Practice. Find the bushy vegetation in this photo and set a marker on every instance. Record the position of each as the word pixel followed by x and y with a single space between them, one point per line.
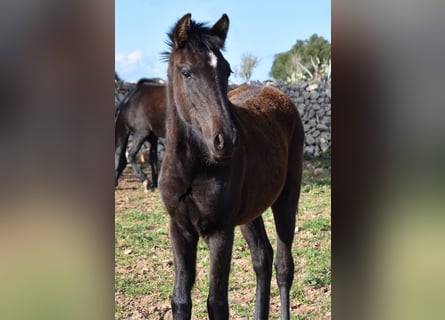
pixel 116 76
pixel 306 60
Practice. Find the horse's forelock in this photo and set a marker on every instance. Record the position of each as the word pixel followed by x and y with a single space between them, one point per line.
pixel 200 37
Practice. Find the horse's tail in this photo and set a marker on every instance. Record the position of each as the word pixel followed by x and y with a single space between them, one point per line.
pixel 125 101
pixel 117 111
pixel 120 106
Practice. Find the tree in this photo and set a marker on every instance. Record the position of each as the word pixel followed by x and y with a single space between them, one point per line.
pixel 301 57
pixel 314 47
pixel 248 63
pixel 116 76
pixel 280 65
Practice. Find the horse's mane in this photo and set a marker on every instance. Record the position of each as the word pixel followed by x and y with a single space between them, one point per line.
pixel 146 80
pixel 199 36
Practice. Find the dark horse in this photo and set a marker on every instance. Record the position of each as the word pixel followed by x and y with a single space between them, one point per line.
pixel 142 113
pixel 226 162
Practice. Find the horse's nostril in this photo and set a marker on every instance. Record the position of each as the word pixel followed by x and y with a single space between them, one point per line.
pixel 219 142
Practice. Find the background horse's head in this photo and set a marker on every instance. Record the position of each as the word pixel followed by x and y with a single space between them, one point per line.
pixel 197 85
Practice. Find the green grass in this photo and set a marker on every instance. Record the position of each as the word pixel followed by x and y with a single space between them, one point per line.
pixel 144 262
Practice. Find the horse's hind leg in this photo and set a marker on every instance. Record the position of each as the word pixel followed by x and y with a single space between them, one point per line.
pixel 153 159
pixel 262 258
pixel 138 140
pixel 284 210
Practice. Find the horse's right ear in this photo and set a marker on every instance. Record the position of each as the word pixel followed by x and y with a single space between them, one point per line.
pixel 221 27
pixel 181 31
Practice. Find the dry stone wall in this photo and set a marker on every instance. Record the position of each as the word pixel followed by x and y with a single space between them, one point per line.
pixel 121 88
pixel 313 101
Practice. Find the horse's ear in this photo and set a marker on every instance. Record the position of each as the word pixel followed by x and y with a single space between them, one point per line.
pixel 221 27
pixel 181 31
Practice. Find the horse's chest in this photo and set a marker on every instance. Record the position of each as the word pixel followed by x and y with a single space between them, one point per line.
pixel 203 203
pixel 209 207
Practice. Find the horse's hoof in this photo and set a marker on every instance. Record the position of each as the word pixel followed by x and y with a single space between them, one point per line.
pixel 145 185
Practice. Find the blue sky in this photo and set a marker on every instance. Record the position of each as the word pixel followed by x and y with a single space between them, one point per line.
pixel 261 29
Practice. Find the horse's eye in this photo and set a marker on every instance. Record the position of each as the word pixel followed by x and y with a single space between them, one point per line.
pixel 186 74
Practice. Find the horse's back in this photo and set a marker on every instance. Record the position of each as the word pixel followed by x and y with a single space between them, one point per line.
pixel 154 104
pixel 265 109
pixel 266 104
pixel 144 108
pixel 271 134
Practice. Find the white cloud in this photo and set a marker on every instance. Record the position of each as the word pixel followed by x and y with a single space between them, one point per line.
pixel 126 60
pixel 119 58
pixel 139 64
pixel 134 57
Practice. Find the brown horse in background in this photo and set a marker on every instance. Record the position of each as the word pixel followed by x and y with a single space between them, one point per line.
pixel 141 113
pixel 226 162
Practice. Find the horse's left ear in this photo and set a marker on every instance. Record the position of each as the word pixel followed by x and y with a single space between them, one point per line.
pixel 221 27
pixel 181 31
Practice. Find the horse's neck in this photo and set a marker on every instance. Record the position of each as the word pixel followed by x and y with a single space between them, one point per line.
pixel 179 137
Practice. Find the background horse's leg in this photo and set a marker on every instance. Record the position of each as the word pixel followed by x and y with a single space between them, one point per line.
pixel 262 257
pixel 220 247
pixel 120 160
pixel 184 252
pixel 138 140
pixel 153 159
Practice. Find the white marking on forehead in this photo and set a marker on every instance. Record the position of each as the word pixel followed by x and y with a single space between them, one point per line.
pixel 213 59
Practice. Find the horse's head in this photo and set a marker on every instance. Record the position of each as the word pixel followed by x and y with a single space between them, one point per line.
pixel 197 84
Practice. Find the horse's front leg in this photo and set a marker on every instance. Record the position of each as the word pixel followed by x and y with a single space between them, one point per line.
pixel 184 254
pixel 220 247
